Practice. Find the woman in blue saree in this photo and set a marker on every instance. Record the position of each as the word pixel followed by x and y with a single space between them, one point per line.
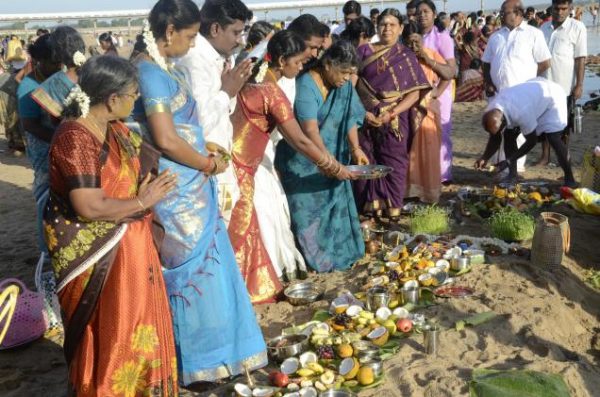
pixel 41 95
pixel 215 328
pixel 323 213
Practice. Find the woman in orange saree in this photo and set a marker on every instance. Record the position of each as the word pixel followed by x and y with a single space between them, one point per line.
pixel 424 170
pixel 261 107
pixel 118 333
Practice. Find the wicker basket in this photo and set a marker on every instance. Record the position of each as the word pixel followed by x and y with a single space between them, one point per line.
pixel 590 171
pixel 552 239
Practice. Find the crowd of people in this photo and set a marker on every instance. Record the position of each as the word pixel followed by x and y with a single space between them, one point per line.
pixel 179 187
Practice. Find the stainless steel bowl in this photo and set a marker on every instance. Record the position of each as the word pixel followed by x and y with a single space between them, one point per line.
pixel 367 355
pixel 302 293
pixel 376 364
pixel 460 263
pixel 287 346
pixel 337 393
pixel 377 297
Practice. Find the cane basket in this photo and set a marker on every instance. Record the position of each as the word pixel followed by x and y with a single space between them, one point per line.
pixel 552 239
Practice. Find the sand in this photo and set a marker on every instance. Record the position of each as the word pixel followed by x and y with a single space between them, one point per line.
pixel 548 319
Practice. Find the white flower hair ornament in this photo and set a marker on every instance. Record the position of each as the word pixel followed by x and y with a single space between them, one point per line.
pixel 82 99
pixel 79 59
pixel 263 68
pixel 152 48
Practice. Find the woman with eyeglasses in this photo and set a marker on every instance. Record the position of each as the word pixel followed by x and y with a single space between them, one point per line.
pixel 98 228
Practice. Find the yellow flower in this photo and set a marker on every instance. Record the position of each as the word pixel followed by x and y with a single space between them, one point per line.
pixel 129 379
pixel 144 339
pixel 51 239
pixel 174 369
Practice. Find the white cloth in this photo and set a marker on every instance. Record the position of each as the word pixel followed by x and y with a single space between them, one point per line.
pixel 203 67
pixel 567 42
pixel 538 105
pixel 514 55
pixel 272 208
pixel 339 29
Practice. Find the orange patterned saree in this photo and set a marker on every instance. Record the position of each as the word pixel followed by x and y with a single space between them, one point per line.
pixel 127 347
pixel 260 108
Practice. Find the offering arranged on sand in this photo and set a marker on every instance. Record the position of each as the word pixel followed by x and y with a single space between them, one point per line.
pixel 344 348
pixel 524 197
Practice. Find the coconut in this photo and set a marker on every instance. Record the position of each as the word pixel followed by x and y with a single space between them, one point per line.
pixel 308 357
pixel 308 392
pixel 379 336
pixel 411 284
pixel 263 392
pixel 349 367
pixel 290 365
pixel 323 326
pixel 242 390
pixel 353 311
pixel 443 264
pixel 400 312
pixel 425 279
pixel 383 313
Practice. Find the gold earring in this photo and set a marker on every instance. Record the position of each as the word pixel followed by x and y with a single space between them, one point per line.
pixel 168 41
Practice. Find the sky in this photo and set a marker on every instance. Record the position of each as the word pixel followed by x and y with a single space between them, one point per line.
pixel 41 6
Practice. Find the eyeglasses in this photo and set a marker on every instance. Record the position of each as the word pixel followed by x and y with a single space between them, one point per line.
pixel 135 95
pixel 505 13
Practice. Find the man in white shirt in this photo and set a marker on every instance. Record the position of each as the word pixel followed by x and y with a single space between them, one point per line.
pixel 567 40
pixel 215 83
pixel 538 107
pixel 351 10
pixel 515 53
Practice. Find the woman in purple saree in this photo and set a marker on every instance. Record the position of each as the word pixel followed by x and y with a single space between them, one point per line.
pixel 390 83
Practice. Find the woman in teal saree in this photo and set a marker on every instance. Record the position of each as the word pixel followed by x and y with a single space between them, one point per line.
pixel 323 213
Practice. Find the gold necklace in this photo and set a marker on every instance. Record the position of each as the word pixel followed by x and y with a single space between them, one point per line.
pixel 102 137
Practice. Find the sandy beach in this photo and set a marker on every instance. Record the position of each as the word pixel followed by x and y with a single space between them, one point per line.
pixel 548 318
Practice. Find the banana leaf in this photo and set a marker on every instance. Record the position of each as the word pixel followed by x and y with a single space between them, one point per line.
pixel 321 315
pixel 515 383
pixel 474 320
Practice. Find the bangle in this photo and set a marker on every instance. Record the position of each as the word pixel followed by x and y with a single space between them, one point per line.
pixel 322 160
pixel 356 149
pixel 141 204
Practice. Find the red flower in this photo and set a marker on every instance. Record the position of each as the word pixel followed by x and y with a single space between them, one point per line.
pixel 267 57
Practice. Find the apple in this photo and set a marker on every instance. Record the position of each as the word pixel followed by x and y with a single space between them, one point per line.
pixel 279 379
pixel 404 325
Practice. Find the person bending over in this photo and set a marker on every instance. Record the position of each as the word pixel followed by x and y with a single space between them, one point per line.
pixel 538 107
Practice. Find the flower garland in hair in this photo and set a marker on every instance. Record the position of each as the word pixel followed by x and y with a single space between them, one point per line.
pixel 152 48
pixel 263 68
pixel 79 59
pixel 82 99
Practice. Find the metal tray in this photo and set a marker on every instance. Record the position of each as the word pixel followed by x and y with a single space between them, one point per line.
pixel 371 171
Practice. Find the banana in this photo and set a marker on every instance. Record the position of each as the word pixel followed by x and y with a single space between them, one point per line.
pixel 305 373
pixel 316 367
